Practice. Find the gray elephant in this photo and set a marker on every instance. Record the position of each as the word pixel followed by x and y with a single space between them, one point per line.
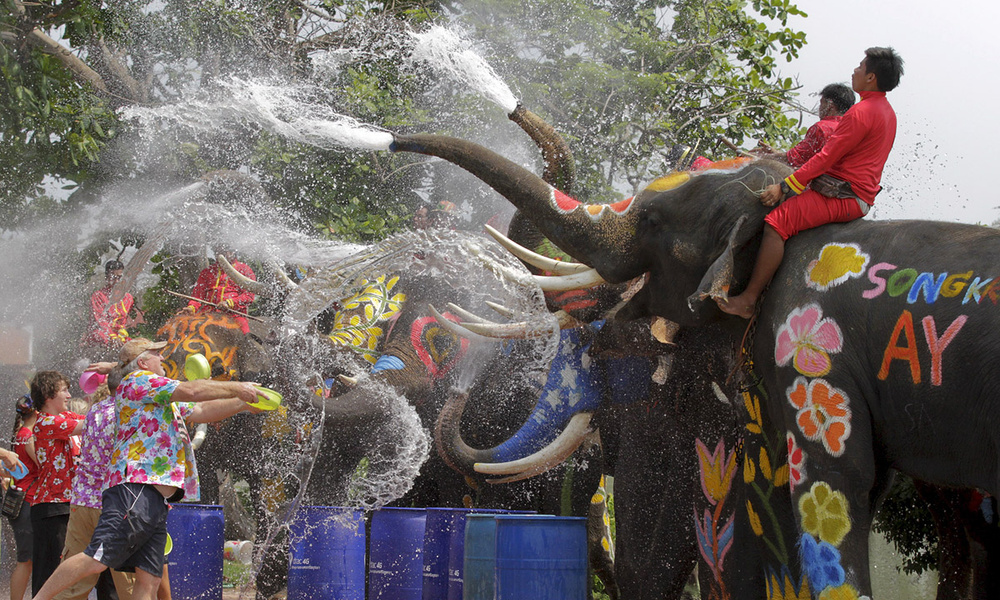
pixel 865 343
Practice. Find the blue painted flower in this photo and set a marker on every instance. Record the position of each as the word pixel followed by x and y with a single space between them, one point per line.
pixel 821 562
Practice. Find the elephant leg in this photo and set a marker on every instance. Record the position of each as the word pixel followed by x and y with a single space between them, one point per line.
pixel 833 509
pixel 654 489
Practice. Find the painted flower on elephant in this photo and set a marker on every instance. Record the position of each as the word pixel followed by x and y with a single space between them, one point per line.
pixel 358 325
pixel 841 592
pixel 824 413
pixel 714 541
pixel 796 462
pixel 825 514
pixel 821 562
pixel 807 340
pixel 781 587
pixel 717 469
pixel 836 264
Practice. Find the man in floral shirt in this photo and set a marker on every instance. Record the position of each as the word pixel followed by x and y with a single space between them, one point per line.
pixel 152 462
pixel 56 454
pixel 85 501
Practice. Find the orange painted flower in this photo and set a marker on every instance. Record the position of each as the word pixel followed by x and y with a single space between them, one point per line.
pixel 824 413
pixel 717 469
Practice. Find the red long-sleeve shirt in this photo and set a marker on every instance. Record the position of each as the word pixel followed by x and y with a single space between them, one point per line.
pixel 815 139
pixel 857 150
pixel 108 319
pixel 214 286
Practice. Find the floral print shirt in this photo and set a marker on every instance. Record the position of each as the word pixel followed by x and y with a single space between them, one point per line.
pixel 95 454
pixel 152 444
pixel 57 453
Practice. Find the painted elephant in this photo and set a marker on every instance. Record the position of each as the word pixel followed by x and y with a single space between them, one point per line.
pixel 233 355
pixel 835 344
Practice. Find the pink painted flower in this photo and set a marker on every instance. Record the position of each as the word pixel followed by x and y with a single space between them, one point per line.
pixel 796 463
pixel 807 339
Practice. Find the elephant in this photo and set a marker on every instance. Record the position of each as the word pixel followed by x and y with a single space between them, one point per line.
pixel 232 355
pixel 842 372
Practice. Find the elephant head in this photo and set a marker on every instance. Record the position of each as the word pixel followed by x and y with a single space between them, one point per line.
pixel 689 232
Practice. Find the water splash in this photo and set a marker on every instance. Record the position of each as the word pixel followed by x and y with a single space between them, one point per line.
pixel 448 55
pixel 291 111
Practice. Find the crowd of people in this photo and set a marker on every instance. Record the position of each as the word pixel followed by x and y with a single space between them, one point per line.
pixel 97 486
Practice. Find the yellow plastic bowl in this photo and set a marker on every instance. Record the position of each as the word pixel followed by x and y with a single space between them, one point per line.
pixel 267 399
pixel 196 367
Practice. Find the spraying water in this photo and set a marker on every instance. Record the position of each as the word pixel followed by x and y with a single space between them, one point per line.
pixel 286 110
pixel 449 56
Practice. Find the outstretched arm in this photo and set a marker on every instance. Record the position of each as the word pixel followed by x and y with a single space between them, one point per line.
pixel 217 410
pixel 204 390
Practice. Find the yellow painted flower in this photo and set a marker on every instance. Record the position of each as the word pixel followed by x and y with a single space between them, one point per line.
pixel 717 469
pixel 752 404
pixel 749 471
pixel 755 523
pixel 765 464
pixel 781 476
pixel 841 592
pixel 825 513
pixel 784 589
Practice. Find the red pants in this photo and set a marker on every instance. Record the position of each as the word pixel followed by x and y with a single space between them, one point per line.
pixel 811 209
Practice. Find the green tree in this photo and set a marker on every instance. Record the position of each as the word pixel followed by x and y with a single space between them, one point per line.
pixel 626 81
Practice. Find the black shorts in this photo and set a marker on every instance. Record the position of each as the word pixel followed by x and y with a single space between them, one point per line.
pixel 132 530
pixel 22 532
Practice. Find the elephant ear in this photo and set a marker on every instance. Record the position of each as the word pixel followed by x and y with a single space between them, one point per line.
pixel 715 283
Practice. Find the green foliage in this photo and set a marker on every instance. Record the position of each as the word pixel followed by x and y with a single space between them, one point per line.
pixel 906 522
pixel 625 82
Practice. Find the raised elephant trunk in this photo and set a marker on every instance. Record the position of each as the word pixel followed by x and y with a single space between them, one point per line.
pixel 560 170
pixel 599 235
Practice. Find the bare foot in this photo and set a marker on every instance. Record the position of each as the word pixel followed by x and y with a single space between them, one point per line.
pixel 741 306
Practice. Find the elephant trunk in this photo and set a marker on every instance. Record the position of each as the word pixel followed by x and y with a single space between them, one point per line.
pixel 598 235
pixel 560 170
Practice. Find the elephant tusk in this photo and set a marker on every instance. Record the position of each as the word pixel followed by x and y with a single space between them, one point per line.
pixel 515 331
pixel 564 283
pixel 242 280
pixel 200 432
pixel 281 276
pixel 546 458
pixel 467 315
pixel 458 329
pixel 501 309
pixel 348 381
pixel 556 267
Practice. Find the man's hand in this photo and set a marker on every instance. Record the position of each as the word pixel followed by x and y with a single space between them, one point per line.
pixel 227 303
pixel 101 367
pixel 771 196
pixel 189 309
pixel 247 392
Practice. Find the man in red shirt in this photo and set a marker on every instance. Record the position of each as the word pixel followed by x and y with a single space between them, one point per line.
pixel 834 100
pixel 109 322
pixel 843 177
pixel 215 286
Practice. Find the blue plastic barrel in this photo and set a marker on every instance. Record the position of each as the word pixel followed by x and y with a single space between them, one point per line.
pixel 328 554
pixel 196 559
pixel 479 556
pixel 542 558
pixel 396 559
pixel 439 545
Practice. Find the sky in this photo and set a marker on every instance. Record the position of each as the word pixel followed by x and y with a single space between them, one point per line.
pixel 948 130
